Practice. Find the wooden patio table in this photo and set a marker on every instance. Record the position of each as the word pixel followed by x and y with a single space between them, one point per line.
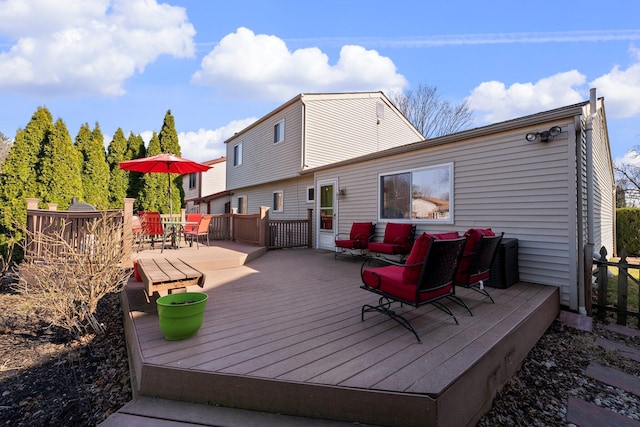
pixel 163 275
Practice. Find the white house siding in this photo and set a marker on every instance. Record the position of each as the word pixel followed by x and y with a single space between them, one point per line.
pixel 262 160
pixel 340 127
pixel 604 188
pixel 294 200
pixel 526 190
pixel 214 180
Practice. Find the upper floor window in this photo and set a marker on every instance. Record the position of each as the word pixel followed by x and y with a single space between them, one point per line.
pixel 424 194
pixel 193 180
pixel 278 132
pixel 237 155
pixel 278 201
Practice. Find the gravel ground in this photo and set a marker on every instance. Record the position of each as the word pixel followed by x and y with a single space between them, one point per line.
pixel 48 379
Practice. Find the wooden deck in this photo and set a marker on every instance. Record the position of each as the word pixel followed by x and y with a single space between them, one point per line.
pixel 283 334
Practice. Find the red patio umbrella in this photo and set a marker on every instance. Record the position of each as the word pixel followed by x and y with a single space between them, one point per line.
pixel 164 163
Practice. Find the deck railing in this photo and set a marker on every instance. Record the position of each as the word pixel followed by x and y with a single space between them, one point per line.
pixel 623 304
pixel 71 226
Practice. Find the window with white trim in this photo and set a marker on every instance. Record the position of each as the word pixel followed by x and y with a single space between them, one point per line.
pixel 278 132
pixel 311 194
pixel 278 201
pixel 422 195
pixel 242 205
pixel 237 155
pixel 193 180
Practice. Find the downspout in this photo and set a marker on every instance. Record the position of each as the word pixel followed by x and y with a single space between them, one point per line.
pixel 591 230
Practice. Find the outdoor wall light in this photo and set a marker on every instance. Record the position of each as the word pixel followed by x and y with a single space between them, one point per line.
pixel 545 136
pixel 342 192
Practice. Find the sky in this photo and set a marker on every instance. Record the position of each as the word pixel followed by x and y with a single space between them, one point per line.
pixel 220 65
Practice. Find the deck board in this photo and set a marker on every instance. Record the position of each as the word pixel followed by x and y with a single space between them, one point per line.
pixel 288 324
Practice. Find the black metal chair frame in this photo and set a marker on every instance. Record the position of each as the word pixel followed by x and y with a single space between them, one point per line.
pixel 438 271
pixel 482 260
pixel 348 252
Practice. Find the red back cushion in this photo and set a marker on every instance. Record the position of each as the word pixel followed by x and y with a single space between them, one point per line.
pixel 394 230
pixel 473 238
pixel 360 231
pixel 419 252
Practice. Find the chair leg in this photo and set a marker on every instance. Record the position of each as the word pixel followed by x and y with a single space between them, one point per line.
pixel 384 308
pixel 460 302
pixel 479 287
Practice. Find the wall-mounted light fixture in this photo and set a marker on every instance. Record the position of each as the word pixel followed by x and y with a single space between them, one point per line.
pixel 545 136
pixel 342 191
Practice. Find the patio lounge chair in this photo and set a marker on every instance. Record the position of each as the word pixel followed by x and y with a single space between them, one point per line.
pixel 358 240
pixel 192 221
pixel 152 228
pixel 426 278
pixel 477 259
pixel 202 230
pixel 397 240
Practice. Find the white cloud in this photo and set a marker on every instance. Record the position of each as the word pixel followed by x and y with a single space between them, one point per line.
pixel 493 101
pixel 205 144
pixel 261 66
pixel 621 89
pixel 503 103
pixel 87 47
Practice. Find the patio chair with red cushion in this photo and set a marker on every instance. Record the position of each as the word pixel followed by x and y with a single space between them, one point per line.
pixel 357 241
pixel 397 240
pixel 426 278
pixel 152 227
pixel 192 221
pixel 202 230
pixel 477 259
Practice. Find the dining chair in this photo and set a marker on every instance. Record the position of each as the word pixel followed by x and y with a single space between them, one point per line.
pixel 202 230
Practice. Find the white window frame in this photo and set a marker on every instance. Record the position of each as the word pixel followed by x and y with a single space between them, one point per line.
pixel 278 132
pixel 445 167
pixel 237 154
pixel 193 180
pixel 278 201
pixel 311 191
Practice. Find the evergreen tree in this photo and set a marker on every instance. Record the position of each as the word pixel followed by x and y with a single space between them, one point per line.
pixel 95 171
pixel 169 144
pixel 61 167
pixel 153 195
pixel 20 171
pixel 135 150
pixel 119 179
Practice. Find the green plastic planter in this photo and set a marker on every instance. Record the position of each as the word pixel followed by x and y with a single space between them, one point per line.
pixel 181 315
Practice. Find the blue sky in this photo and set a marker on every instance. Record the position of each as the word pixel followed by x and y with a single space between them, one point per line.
pixel 220 65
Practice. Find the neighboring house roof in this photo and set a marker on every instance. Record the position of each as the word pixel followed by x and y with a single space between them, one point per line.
pixel 214 161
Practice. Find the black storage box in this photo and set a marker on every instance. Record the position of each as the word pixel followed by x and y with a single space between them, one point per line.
pixel 504 272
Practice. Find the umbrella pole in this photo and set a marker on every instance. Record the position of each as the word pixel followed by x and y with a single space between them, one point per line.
pixel 170 199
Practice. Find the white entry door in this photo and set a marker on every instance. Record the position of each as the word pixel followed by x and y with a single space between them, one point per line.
pixel 327 213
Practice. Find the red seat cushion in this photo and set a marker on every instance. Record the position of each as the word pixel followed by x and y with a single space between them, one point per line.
pixel 391 281
pixel 348 244
pixel 473 239
pixel 419 251
pixel 397 239
pixel 360 232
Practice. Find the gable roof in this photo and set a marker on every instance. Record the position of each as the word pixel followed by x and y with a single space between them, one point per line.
pixel 302 97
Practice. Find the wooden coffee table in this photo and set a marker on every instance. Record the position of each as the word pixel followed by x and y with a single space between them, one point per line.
pixel 163 275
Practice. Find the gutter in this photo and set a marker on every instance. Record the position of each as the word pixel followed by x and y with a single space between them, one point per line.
pixel 590 204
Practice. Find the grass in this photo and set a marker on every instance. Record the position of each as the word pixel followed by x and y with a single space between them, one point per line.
pixel 633 292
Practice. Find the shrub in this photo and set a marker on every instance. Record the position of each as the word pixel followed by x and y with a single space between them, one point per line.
pixel 67 282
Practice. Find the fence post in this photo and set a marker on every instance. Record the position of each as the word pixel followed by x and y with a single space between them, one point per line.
pixel 310 228
pixel 263 227
pixel 603 282
pixel 127 215
pixel 623 268
pixel 588 277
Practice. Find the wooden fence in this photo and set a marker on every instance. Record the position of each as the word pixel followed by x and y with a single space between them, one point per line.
pixel 619 305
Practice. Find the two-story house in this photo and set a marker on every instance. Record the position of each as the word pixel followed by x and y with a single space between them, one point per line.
pixel 204 192
pixel 266 160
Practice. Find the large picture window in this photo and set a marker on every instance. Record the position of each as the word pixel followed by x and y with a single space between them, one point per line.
pixel 424 194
